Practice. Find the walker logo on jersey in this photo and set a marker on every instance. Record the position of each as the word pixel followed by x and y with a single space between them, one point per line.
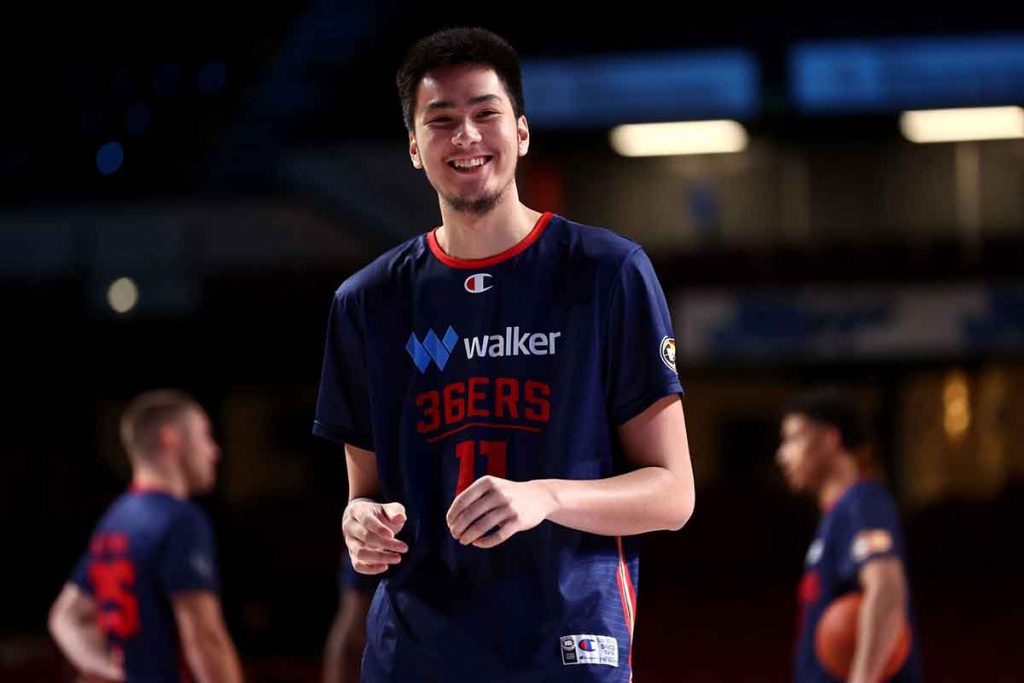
pixel 512 343
pixel 871 542
pixel 590 649
pixel 476 284
pixel 668 353
pixel 432 348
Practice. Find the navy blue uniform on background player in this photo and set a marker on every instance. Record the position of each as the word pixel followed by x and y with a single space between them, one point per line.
pixel 142 603
pixel 506 392
pixel 859 544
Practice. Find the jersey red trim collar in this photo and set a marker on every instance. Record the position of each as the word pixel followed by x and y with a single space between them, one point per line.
pixel 514 250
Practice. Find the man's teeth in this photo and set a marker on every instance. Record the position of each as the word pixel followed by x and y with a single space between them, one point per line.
pixel 469 163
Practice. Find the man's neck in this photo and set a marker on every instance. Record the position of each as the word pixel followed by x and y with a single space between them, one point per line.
pixel 465 235
pixel 845 475
pixel 151 479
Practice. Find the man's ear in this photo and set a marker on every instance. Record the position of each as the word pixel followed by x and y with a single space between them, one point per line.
pixel 414 151
pixel 523 132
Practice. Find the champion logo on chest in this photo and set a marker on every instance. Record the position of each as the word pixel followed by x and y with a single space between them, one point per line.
pixel 478 283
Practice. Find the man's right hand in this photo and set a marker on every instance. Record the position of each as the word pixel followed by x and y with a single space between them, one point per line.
pixel 369 529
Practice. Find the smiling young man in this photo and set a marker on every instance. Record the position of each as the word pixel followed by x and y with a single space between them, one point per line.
pixel 506 393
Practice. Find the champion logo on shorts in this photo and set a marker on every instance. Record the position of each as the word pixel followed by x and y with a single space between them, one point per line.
pixel 586 648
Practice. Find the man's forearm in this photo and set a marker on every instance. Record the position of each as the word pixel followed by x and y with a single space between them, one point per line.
pixel 214 660
pixel 647 499
pixel 84 646
pixel 882 616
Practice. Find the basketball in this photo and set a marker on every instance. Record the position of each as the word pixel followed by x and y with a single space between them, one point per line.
pixel 835 639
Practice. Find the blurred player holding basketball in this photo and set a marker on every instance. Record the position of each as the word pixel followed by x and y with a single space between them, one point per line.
pixel 142 603
pixel 859 545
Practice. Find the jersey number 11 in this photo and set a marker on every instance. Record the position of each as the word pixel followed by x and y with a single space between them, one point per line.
pixel 465 451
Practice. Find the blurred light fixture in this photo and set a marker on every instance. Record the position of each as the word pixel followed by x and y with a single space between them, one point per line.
pixel 961 125
pixel 956 399
pixel 678 138
pixel 122 295
pixel 109 158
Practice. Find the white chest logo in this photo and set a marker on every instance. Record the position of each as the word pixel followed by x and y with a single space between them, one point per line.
pixel 814 552
pixel 475 284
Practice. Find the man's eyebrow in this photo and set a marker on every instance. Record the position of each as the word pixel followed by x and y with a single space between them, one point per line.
pixel 446 104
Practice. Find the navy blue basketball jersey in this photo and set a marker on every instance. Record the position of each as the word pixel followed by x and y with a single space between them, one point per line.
pixel 862 526
pixel 147 547
pixel 520 366
pixel 350 579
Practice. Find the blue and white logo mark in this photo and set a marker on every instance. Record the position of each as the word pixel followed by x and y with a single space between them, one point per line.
pixel 432 348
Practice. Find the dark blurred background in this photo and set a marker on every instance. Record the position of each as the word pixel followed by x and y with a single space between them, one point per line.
pixel 182 187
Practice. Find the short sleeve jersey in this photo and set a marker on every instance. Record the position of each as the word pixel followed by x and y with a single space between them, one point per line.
pixel 862 526
pixel 521 366
pixel 148 547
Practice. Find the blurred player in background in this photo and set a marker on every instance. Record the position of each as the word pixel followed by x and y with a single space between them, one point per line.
pixel 347 638
pixel 142 604
pixel 859 545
